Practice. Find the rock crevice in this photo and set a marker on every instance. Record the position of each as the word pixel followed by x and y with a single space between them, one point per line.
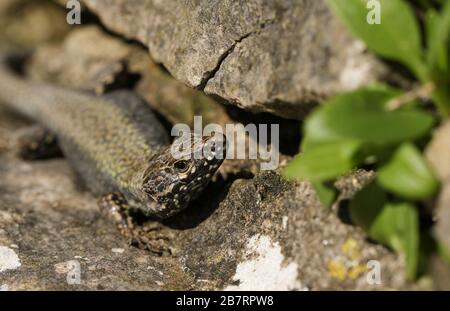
pixel 209 75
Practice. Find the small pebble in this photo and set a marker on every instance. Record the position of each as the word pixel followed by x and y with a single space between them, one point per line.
pixel 8 259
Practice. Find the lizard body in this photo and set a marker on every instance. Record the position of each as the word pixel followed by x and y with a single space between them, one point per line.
pixel 115 143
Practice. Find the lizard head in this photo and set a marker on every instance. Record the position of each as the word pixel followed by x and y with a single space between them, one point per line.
pixel 180 172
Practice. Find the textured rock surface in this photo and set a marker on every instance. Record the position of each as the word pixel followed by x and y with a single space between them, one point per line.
pixel 277 56
pixel 26 23
pixel 438 154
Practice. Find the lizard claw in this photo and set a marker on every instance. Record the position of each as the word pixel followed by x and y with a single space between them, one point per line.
pixel 148 236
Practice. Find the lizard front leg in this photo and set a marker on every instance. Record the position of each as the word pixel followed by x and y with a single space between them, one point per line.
pixel 150 235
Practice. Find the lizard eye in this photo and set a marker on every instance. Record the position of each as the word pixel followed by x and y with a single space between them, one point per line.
pixel 181 166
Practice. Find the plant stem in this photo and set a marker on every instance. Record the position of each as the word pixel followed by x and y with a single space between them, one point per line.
pixel 423 91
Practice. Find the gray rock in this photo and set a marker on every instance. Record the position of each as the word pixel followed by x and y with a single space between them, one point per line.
pixel 442 228
pixel 27 23
pixel 440 273
pixel 277 56
pixel 271 234
pixel 437 153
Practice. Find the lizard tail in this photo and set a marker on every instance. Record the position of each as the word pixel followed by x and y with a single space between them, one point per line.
pixel 16 93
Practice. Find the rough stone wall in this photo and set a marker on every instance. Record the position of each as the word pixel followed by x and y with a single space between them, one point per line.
pixel 278 56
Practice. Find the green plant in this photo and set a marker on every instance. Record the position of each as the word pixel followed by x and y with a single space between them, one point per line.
pixel 384 127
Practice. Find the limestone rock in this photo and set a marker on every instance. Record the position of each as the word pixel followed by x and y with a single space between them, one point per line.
pixel 438 155
pixel 278 56
pixel 28 23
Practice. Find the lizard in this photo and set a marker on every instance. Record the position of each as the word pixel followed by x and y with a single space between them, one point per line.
pixel 117 146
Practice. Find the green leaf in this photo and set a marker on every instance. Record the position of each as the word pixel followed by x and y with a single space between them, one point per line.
pixel 362 115
pixel 438 56
pixel 397 36
pixel 438 36
pixel 323 162
pixel 366 205
pixel 393 224
pixel 397 226
pixel 326 193
pixel 408 175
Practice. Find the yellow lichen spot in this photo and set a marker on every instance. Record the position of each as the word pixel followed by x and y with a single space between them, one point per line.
pixel 218 258
pixel 348 265
pixel 337 269
pixel 350 248
pixel 356 271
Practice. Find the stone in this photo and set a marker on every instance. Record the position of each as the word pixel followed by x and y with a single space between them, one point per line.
pixel 28 23
pixel 278 56
pixel 438 155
